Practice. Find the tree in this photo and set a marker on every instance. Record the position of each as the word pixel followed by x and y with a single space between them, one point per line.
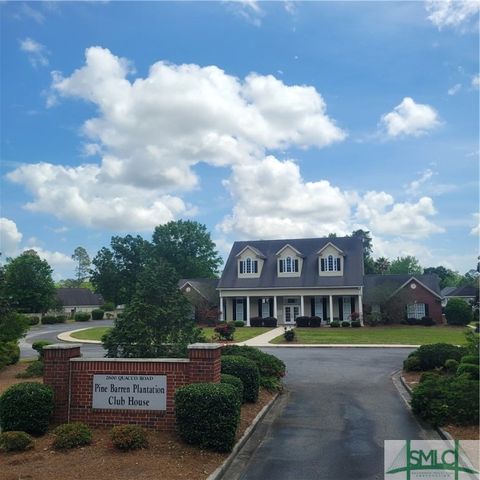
pixel 155 324
pixel 382 265
pixel 448 278
pixel 187 246
pixel 458 312
pixel 406 265
pixel 29 283
pixel 82 269
pixel 368 263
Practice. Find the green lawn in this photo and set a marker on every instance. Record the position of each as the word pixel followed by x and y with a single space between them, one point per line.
pixel 95 333
pixel 401 335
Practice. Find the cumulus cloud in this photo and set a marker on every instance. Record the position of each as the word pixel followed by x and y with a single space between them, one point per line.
pixel 36 52
pixel 458 14
pixel 10 238
pixel 476 228
pixel 151 132
pixel 476 81
pixel 409 118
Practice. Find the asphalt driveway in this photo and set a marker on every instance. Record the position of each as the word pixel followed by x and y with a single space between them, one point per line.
pixel 340 407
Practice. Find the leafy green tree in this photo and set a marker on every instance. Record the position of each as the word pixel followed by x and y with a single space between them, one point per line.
pixel 187 245
pixel 368 262
pixel 458 312
pixel 73 283
pixel 82 268
pixel 29 283
pixel 382 265
pixel 406 265
pixel 448 278
pixel 155 323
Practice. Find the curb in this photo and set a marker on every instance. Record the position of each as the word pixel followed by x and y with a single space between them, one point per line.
pixel 217 474
pixel 66 337
pixel 334 345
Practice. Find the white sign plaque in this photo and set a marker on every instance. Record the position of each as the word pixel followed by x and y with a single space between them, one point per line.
pixel 129 392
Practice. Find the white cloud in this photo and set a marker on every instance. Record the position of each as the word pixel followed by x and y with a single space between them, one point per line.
pixel 424 185
pixel 409 118
pixel 476 228
pixel 455 89
pixel 248 10
pixel 10 238
pixel 290 7
pixel 476 81
pixel 458 14
pixel 150 132
pixel 27 11
pixel 36 52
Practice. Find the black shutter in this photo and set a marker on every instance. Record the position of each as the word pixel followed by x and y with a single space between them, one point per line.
pixel 224 309
pixel 241 266
pixel 295 263
pixel 340 308
pixel 270 301
pixel 259 307
pixel 312 306
pixel 426 310
pixel 325 319
pixel 338 264
pixel 255 266
pixel 245 310
pixel 322 264
pixel 281 266
pixel 234 302
pixel 352 304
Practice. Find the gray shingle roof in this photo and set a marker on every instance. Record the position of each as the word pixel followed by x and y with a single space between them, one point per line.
pixel 78 297
pixel 207 287
pixel 464 291
pixel 353 267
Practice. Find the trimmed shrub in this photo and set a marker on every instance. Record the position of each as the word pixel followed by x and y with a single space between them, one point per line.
pixel 108 307
pixel 82 317
pixel 208 414
pixel 412 364
pixel 49 319
pixel 289 335
pixel 33 320
pixel 436 354
pixel 38 347
pixel 26 407
pixel 256 322
pixel 268 365
pixel 71 435
pixel 427 322
pixel 472 359
pixel 472 370
pixel 451 365
pixel 345 324
pixel 236 382
pixel 35 369
pixel 247 371
pixel 414 321
pixel 302 321
pixel 447 400
pixel 335 324
pixel 15 441
pixel 458 312
pixel 239 323
pixel 272 384
pixel 97 314
pixel 270 322
pixel 225 330
pixel 61 318
pixel 356 324
pixel 427 375
pixel 128 437
pixel 315 321
pixel 11 353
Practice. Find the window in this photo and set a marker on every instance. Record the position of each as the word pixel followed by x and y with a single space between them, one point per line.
pixel 330 264
pixel 248 266
pixel 416 310
pixel 288 265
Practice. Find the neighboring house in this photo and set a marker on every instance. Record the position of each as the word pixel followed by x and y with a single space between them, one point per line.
pixel 290 278
pixel 203 297
pixel 403 296
pixel 76 300
pixel 467 292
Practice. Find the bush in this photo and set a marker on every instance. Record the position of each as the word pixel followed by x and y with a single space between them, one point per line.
pixel 82 317
pixel 120 315
pixel 38 347
pixel 225 330
pixel 256 322
pixel 473 359
pixel 413 321
pixel 272 384
pixel 61 318
pixel 270 322
pixel 302 321
pixel 315 321
pixel 239 323
pixel 447 400
pixel 71 435
pixel 35 369
pixel 458 312
pixel 10 353
pixel 129 437
pixel 49 320
pixel 289 335
pixel 472 370
pixel 335 324
pixel 345 324
pixel 374 319
pixel 436 354
pixel 236 382
pixel 34 320
pixel 412 364
pixel 97 314
pixel 451 365
pixel 247 371
pixel 428 375
pixel 356 324
pixel 15 441
pixel 26 407
pixel 208 414
pixel 268 365
pixel 108 307
pixel 427 322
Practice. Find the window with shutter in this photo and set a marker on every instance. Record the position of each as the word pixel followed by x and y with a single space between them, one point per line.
pixel 338 264
pixel 295 265
pixel 322 264
pixel 280 263
pixel 242 266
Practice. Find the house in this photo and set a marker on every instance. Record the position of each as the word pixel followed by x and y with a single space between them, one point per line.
pixel 75 300
pixel 290 278
pixel 403 296
pixel 468 293
pixel 203 297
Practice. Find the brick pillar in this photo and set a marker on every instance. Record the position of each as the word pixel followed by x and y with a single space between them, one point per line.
pixel 205 362
pixel 56 374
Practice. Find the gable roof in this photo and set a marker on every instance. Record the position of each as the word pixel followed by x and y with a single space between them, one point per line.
pixel 447 290
pixel 352 248
pixel 78 297
pixel 464 291
pixel 391 284
pixel 287 245
pixel 330 244
pixel 206 287
pixel 257 252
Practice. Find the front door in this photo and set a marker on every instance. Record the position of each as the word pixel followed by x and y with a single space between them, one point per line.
pixel 291 312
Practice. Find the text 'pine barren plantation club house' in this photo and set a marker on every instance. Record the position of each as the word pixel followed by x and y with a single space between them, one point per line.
pixel 321 277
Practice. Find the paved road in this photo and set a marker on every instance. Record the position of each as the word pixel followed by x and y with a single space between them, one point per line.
pixel 50 332
pixel 340 407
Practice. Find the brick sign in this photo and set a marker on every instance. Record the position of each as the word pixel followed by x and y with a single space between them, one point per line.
pixel 129 392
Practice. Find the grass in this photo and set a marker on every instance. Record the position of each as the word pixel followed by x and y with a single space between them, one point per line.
pixel 95 333
pixel 398 334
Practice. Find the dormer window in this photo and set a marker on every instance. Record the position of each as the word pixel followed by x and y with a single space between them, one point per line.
pixel 288 265
pixel 330 264
pixel 248 266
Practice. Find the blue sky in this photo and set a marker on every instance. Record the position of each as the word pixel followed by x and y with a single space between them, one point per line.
pixel 259 119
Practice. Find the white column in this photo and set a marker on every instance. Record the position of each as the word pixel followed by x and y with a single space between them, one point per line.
pixel 330 299
pixel 222 313
pixel 302 306
pixel 275 313
pixel 248 311
pixel 360 309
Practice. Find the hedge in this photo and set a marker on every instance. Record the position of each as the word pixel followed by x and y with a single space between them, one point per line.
pixel 26 407
pixel 235 381
pixel 247 371
pixel 97 314
pixel 39 345
pixel 256 321
pixel 51 319
pixel 436 354
pixel 472 370
pixel 458 312
pixel 208 415
pixel 82 317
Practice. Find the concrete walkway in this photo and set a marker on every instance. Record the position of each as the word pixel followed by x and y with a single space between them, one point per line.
pixel 263 339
